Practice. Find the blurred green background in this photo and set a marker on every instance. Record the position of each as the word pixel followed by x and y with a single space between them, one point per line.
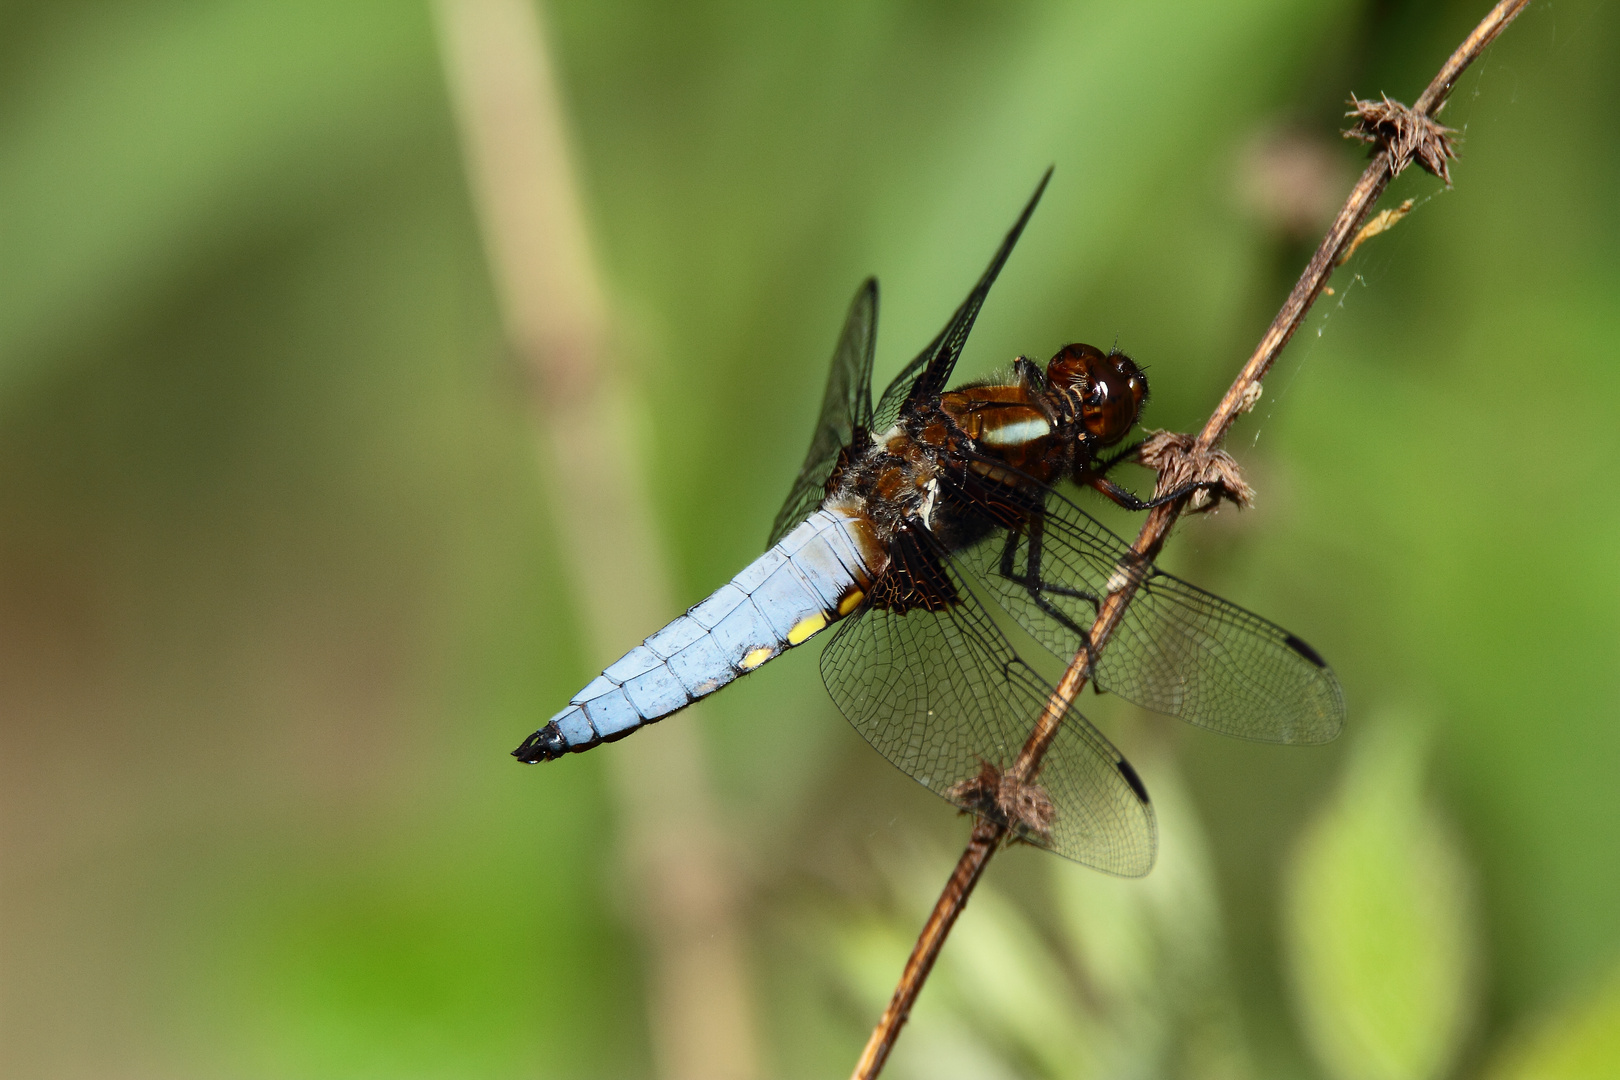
pixel 280 584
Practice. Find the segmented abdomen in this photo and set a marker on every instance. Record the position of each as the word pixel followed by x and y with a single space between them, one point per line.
pixel 814 576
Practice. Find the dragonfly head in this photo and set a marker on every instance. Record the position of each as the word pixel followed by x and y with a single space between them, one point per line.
pixel 1106 390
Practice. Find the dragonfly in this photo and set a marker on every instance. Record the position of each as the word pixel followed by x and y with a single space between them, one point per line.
pixel 924 527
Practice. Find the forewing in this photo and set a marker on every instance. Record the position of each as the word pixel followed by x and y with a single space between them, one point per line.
pixel 942 693
pixel 1178 650
pixel 930 371
pixel 845 408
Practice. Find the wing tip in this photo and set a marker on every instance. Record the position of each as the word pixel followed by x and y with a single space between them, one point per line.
pixel 1333 728
pixel 1299 646
pixel 1129 773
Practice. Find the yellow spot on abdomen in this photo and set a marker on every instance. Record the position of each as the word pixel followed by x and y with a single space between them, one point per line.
pixel 806 627
pixel 851 602
pixel 756 657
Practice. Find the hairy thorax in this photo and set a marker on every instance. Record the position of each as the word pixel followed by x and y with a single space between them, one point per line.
pixel 955 467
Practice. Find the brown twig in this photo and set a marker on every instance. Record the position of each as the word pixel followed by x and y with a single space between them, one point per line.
pixel 1401 136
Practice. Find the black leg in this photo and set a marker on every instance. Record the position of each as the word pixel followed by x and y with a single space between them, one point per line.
pixel 1129 501
pixel 1127 453
pixel 1037 587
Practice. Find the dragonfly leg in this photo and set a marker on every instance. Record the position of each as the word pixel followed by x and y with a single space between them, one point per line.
pixel 1130 501
pixel 1040 589
pixel 1126 453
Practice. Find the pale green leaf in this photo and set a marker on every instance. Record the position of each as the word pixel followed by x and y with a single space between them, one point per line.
pixel 1151 950
pixel 1379 921
pixel 1579 1042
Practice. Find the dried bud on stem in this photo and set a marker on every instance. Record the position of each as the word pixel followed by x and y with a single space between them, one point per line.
pixel 1180 462
pixel 1406 134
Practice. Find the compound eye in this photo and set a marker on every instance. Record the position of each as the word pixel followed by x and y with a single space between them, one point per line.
pixel 1109 388
pixel 1120 392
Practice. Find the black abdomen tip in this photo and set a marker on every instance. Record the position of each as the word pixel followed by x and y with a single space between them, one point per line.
pixel 547 744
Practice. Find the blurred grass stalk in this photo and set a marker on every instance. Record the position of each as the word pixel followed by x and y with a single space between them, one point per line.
pixel 517 156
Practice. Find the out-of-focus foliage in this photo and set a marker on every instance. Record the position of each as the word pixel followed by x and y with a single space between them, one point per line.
pixel 1580 1041
pixel 1129 982
pixel 1380 921
pixel 279 584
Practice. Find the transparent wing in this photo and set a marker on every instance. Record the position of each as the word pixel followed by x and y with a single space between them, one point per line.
pixel 846 408
pixel 942 694
pixel 930 371
pixel 1179 650
pixel 899 389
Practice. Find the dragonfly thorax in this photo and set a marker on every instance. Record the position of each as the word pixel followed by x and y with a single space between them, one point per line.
pixel 892 483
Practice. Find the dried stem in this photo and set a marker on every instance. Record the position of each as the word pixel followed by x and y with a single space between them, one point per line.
pixel 1401 135
pixel 558 319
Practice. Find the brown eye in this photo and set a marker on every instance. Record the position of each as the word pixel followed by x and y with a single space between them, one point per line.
pixel 1110 389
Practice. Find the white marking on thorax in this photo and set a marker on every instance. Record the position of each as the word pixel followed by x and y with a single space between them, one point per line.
pixel 1020 431
pixel 930 491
